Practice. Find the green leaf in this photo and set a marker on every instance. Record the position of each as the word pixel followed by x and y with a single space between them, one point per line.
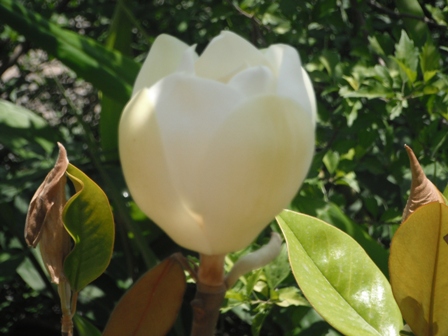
pixel 252 280
pixel 329 60
pixel 24 132
pixel 107 70
pixel 84 327
pixel 331 213
pixel 407 74
pixel 375 45
pixel 331 161
pixel 277 270
pixel 429 61
pixel 437 14
pixel 406 51
pixel 262 311
pixel 30 275
pixel 417 28
pixel 406 56
pixel 88 219
pixel 338 278
pixel 291 296
pixel 371 91
pixel 445 191
pixel 418 269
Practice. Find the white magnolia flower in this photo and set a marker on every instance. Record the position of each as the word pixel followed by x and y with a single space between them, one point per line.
pixel 214 146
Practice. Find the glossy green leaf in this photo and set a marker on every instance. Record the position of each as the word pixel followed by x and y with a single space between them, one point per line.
pixel 88 219
pixel 24 132
pixel 150 306
pixel 107 70
pixel 84 327
pixel 331 213
pixel 338 278
pixel 418 269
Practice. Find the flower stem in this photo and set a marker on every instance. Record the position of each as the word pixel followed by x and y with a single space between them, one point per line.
pixel 210 291
pixel 65 296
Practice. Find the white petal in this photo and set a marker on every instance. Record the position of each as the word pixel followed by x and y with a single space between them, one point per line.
pixel 293 81
pixel 254 80
pixel 147 175
pixel 255 165
pixel 189 112
pixel 164 58
pixel 188 60
pixel 226 55
pixel 169 128
pixel 311 95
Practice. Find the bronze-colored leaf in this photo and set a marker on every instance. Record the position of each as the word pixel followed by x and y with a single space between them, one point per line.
pixel 44 219
pixel 418 269
pixel 150 306
pixel 423 191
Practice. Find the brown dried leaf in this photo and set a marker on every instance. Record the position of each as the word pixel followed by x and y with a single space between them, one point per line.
pixel 44 219
pixel 423 191
pixel 150 306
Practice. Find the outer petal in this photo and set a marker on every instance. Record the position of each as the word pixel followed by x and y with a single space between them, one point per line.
pixel 145 168
pixel 164 58
pixel 293 81
pixel 226 55
pixel 254 81
pixel 164 132
pixel 189 58
pixel 255 165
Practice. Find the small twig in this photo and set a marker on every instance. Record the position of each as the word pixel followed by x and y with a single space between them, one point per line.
pixel 74 303
pixel 133 20
pixel 386 10
pixel 256 23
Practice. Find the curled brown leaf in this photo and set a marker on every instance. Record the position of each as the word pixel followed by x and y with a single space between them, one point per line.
pixel 44 219
pixel 423 191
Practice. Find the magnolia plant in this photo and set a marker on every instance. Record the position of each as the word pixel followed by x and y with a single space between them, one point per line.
pixel 214 146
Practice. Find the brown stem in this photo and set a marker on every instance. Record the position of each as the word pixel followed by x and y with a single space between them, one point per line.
pixel 65 297
pixel 210 291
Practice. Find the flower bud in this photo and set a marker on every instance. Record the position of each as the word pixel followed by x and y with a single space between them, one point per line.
pixel 214 146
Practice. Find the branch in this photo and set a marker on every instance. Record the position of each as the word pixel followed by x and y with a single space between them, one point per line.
pixel 386 10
